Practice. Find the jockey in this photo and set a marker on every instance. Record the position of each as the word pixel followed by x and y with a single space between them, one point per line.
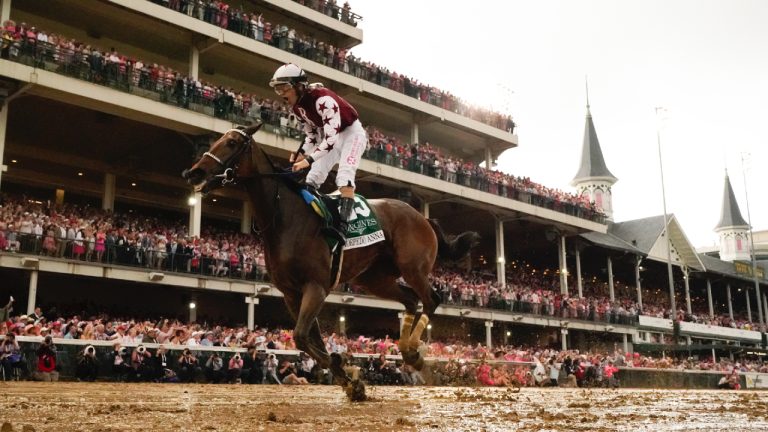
pixel 333 134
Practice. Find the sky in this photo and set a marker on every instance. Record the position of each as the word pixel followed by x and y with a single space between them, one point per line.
pixel 704 61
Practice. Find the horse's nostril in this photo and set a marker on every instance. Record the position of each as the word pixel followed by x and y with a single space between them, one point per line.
pixel 193 175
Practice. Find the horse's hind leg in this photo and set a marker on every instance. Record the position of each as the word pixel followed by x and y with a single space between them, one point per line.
pixel 381 281
pixel 416 277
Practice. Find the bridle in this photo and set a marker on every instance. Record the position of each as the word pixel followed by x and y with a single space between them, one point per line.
pixel 230 167
pixel 228 176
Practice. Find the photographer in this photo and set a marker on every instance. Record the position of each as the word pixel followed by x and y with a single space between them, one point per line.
pixel 87 366
pixel 253 364
pixel 120 367
pixel 271 370
pixel 187 366
pixel 141 367
pixel 46 362
pixel 305 367
pixel 161 370
pixel 235 369
pixel 214 368
pixel 10 356
pixel 287 374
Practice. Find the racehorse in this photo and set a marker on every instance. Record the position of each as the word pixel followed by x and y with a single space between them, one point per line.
pixel 298 258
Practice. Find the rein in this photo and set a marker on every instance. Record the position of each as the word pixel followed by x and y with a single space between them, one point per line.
pixel 230 167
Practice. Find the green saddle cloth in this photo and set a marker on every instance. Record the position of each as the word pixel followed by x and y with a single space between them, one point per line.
pixel 363 230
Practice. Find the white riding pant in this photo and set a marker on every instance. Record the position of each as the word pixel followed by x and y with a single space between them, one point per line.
pixel 347 152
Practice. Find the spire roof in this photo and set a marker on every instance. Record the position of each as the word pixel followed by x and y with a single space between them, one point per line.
pixel 592 162
pixel 730 215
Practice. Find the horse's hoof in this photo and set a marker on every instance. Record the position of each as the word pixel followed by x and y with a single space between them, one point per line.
pixel 419 363
pixel 355 391
pixel 336 360
pixel 410 357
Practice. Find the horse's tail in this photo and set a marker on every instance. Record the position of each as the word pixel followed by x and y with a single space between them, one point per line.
pixel 452 248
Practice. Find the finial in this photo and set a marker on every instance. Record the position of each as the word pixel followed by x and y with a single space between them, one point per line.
pixel 586 85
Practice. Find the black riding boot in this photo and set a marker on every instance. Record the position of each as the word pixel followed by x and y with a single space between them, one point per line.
pixel 346 207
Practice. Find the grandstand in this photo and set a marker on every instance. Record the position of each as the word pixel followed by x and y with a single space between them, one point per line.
pixel 107 101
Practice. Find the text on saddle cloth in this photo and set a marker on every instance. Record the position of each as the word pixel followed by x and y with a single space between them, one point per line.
pixel 362 230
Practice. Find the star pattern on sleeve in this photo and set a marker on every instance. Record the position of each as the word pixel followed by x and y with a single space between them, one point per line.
pixel 330 114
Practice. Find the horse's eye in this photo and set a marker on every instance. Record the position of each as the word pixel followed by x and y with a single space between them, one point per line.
pixel 231 143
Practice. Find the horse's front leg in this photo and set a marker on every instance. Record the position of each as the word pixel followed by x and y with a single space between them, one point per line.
pixel 309 340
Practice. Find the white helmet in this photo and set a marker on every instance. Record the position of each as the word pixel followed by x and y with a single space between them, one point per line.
pixel 288 74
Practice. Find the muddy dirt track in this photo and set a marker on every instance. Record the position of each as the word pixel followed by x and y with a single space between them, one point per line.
pixel 27 406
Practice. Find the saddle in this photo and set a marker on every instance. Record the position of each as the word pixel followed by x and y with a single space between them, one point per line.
pixel 363 229
pixel 327 208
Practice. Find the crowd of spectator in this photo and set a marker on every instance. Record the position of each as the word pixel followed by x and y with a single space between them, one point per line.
pixel 286 38
pixel 332 9
pixel 95 235
pixel 179 357
pixel 537 291
pixel 23 43
pixel 86 233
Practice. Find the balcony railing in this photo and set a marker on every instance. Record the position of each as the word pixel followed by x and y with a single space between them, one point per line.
pixel 172 88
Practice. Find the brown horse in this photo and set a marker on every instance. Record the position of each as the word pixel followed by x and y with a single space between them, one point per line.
pixel 298 258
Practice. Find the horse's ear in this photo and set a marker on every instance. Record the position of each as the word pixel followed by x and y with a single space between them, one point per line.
pixel 250 130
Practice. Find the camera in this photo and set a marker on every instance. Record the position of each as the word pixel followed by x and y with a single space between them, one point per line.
pixel 141 349
pixel 186 352
pixel 237 357
pixel 90 350
pixel 123 351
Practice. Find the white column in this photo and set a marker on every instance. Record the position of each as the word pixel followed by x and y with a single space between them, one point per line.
pixel 686 280
pixel 765 303
pixel 108 198
pixel 610 278
pixel 709 299
pixel 342 324
pixel 488 327
pixel 563 267
pixel 578 273
pixel 194 62
pixel 425 209
pixel 749 305
pixel 429 332
pixel 195 214
pixel 32 297
pixel 730 301
pixel 401 317
pixel 5 10
pixel 564 339
pixel 501 276
pixel 626 342
pixel 637 282
pixel 251 301
pixel 3 119
pixel 245 220
pixel 414 131
pixel 488 158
